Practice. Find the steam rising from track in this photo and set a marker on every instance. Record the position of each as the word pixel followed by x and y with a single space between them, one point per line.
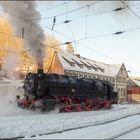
pixel 20 16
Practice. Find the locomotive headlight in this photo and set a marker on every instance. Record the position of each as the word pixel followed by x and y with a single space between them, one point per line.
pixel 73 90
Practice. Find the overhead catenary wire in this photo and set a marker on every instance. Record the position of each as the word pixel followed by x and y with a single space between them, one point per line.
pixel 77 41
pixel 67 12
pixel 92 49
pixel 99 13
pixel 120 32
pixel 86 20
pixel 73 36
pixel 53 7
pixel 128 7
pixel 74 10
pixel 61 14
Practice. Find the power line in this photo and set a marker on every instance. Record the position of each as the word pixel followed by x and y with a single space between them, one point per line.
pixel 92 49
pixel 83 44
pixel 97 36
pixel 12 14
pixel 72 35
pixel 99 13
pixel 44 10
pixel 130 9
pixel 74 10
pixel 57 32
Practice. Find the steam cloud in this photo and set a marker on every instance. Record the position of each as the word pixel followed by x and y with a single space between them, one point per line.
pixel 20 16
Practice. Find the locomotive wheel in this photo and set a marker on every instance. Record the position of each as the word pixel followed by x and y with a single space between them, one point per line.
pixel 79 108
pixel 68 101
pixel 107 105
pixel 96 106
pixel 88 106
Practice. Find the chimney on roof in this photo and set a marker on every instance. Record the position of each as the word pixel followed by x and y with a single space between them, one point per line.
pixel 78 55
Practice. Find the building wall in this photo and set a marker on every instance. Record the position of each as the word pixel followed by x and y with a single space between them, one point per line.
pixel 121 84
pixel 133 97
pixel 56 66
pixel 133 91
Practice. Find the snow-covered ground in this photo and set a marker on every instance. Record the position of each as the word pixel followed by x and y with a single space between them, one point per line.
pixel 131 135
pixel 116 129
pixel 16 122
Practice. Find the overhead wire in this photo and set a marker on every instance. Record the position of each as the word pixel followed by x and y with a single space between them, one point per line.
pixel 12 14
pixel 44 10
pixel 113 33
pixel 66 23
pixel 86 21
pixel 128 7
pixel 99 52
pixel 99 13
pixel 61 14
pixel 73 36
pixel 77 41
pixel 92 49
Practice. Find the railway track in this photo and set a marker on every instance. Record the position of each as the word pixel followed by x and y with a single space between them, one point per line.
pixel 125 132
pixel 115 136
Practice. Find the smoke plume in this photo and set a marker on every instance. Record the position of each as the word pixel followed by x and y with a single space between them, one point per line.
pixel 21 15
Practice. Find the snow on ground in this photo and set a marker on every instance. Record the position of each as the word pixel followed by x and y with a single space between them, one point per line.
pixel 131 135
pixel 29 125
pixel 16 122
pixel 105 131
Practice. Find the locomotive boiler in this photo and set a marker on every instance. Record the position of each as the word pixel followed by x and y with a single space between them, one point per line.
pixel 66 92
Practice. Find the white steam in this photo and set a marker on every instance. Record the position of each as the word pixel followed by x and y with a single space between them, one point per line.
pixel 20 15
pixel 10 64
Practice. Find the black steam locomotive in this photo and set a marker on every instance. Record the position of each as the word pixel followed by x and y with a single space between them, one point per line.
pixel 67 93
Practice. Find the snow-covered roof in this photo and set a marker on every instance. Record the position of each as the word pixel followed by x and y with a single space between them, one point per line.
pixel 137 82
pixel 87 65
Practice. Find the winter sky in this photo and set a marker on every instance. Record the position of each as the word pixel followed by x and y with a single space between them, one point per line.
pixel 101 20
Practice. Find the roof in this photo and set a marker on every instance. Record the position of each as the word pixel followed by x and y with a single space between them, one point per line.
pixel 137 82
pixel 87 65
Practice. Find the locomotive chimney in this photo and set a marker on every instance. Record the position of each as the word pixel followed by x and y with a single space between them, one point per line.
pixel 40 71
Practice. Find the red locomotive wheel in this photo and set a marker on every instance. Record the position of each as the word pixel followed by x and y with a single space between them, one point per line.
pixel 107 105
pixel 68 102
pixel 88 106
pixel 96 106
pixel 79 108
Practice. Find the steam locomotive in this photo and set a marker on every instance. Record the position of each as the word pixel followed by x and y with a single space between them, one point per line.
pixel 49 91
